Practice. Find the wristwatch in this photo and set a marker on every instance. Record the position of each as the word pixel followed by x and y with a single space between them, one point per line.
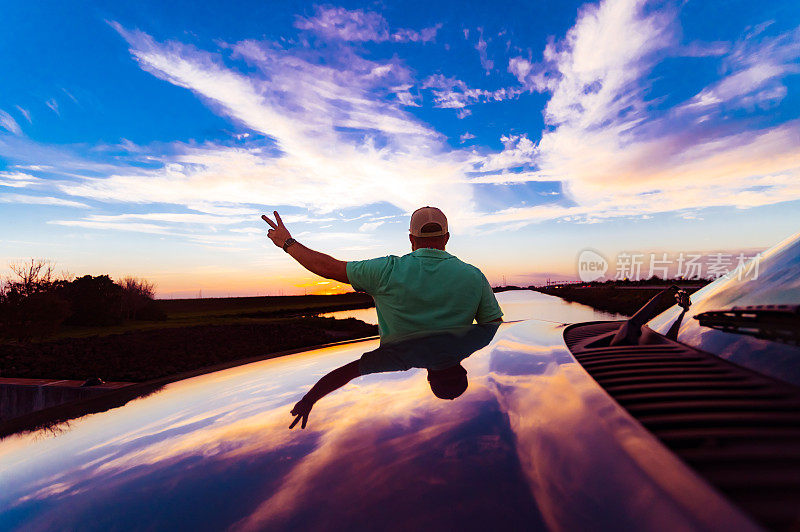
pixel 289 241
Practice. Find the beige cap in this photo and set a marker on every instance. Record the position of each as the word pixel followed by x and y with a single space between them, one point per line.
pixel 428 215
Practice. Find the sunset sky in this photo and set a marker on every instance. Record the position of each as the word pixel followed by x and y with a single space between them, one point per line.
pixel 147 138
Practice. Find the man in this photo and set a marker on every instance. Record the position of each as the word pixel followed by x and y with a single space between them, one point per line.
pixel 427 289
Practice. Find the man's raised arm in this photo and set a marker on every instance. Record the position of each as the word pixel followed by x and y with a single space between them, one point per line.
pixel 313 261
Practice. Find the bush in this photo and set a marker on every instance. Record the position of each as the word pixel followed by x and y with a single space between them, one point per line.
pixel 93 300
pixel 34 303
pixel 137 295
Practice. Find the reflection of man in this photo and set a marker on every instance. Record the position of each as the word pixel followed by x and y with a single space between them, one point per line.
pixel 427 289
pixel 440 353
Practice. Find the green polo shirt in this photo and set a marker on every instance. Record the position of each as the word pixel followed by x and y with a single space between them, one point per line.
pixel 428 289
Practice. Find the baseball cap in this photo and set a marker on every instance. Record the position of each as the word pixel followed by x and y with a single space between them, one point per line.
pixel 428 215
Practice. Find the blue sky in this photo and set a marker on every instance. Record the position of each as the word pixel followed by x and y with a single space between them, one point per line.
pixel 146 139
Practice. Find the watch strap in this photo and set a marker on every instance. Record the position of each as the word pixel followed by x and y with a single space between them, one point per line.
pixel 289 241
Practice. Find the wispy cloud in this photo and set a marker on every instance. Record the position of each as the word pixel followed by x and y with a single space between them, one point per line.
pixel 40 200
pixel 606 140
pixel 7 122
pixel 18 180
pixel 52 103
pixel 24 112
pixel 452 93
pixel 359 26
pixel 755 68
pixel 328 125
pixel 481 47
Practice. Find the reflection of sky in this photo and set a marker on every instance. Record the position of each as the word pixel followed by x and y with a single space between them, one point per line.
pixel 516 305
pixel 776 281
pixel 532 441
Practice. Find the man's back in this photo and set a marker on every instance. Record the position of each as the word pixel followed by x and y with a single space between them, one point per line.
pixel 427 289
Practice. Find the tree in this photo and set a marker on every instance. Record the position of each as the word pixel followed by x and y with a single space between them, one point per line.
pixel 136 295
pixel 94 300
pixel 30 304
pixel 31 276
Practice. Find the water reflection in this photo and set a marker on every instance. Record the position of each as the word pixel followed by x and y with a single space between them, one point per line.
pixel 516 305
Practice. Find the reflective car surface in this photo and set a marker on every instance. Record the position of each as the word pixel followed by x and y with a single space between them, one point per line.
pixel 533 443
pixel 768 291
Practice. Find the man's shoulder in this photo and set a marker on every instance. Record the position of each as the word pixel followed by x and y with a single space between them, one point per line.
pixel 467 266
pixel 376 260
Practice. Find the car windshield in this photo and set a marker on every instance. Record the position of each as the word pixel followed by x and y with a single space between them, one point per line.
pixel 771 279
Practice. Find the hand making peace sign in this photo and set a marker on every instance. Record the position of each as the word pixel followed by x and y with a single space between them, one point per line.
pixel 278 234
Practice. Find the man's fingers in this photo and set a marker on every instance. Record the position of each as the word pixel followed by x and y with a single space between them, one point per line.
pixel 295 422
pixel 305 420
pixel 278 218
pixel 270 222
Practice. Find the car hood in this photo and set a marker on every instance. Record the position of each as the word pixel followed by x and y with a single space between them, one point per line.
pixel 533 443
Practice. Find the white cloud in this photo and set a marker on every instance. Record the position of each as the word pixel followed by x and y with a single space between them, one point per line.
pixel 18 180
pixel 39 200
pixel 341 136
pixel 615 155
pixel 368 227
pixel 755 69
pixel 338 23
pixel 174 217
pixel 24 112
pixel 7 122
pixel 452 93
pixel 481 46
pixel 518 150
pixel 114 226
pixel 53 105
pixel 339 145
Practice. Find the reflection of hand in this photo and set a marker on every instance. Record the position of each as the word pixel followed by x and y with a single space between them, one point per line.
pixel 683 299
pixel 302 409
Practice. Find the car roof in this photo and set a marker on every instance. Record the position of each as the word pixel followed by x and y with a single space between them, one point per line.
pixel 532 443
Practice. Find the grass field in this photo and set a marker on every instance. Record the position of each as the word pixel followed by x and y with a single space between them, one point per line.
pixel 197 333
pixel 225 311
pixel 621 299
